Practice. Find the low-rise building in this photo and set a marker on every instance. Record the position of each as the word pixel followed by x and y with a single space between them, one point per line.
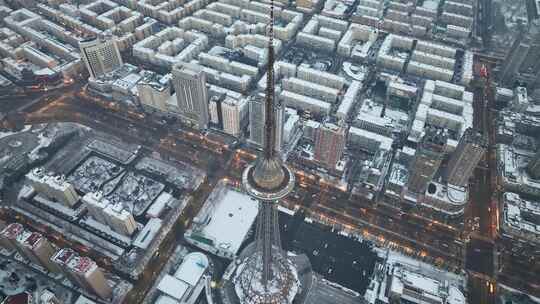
pixel 445 201
pixel 226 209
pixel 520 218
pixel 512 168
pixel 443 105
pixel 411 284
pixel 187 283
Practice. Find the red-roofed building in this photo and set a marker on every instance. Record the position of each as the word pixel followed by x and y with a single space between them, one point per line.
pixel 36 248
pixel 22 298
pixel 8 236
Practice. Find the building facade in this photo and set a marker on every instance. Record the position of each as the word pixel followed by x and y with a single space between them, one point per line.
pixel 533 167
pixel 234 115
pixel 427 159
pixel 522 60
pixel 330 142
pixel 468 153
pixel 256 123
pixel 100 55
pixel 189 81
pixel 153 95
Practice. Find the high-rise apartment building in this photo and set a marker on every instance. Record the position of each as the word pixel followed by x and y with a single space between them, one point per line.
pixel 100 55
pixel 427 160
pixel 53 187
pixel 120 219
pixel 90 276
pixel 330 142
pixel 257 121
pixel 189 82
pixel 37 249
pixel 533 168
pixel 523 60
pixel 84 272
pixel 8 236
pixel 61 258
pixel 464 159
pixel 114 215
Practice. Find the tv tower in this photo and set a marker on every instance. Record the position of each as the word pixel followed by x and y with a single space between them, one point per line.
pixel 267 275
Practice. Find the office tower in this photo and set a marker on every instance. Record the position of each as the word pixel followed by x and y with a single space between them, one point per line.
pixel 267 275
pixel 8 236
pixel 523 60
pixel 214 108
pixel 330 142
pixel 514 59
pixel 85 272
pixel 234 115
pixel 189 82
pixel 470 149
pixel 257 121
pixel 427 159
pixel 153 95
pixel 37 249
pixel 533 168
pixel 100 55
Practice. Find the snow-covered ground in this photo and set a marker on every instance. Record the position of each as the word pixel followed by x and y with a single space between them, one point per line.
pixel 6 134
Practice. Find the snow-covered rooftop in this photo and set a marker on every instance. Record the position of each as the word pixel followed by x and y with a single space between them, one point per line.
pixel 192 268
pixel 173 287
pixel 84 300
pixel 409 279
pixel 522 215
pixel 226 218
pixel 146 236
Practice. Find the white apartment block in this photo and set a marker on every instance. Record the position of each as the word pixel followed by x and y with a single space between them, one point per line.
pixel 310 89
pixel 236 17
pixel 111 214
pixel 391 52
pixel 235 115
pixel 357 41
pixel 170 46
pixel 254 46
pixel 369 141
pixel 349 99
pixel 62 55
pixel 322 33
pixel 53 187
pixel 109 16
pixel 304 103
pixel 446 106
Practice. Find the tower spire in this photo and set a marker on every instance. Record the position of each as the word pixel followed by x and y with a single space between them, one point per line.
pixel 270 119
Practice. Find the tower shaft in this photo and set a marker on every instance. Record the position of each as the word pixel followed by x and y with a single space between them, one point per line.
pixel 270 119
pixel 268 239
